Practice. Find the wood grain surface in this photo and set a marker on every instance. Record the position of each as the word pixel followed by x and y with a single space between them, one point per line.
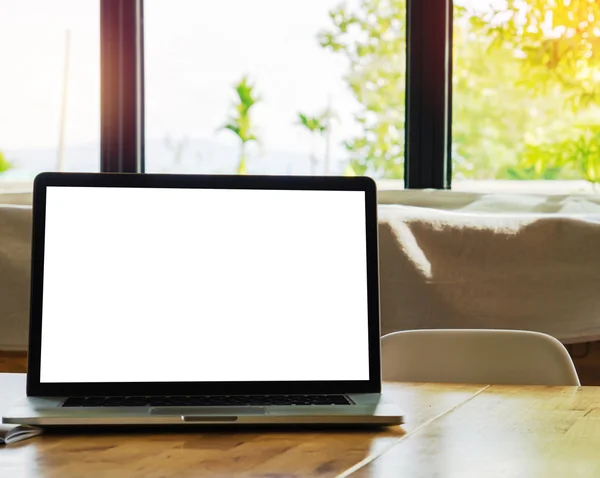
pixel 451 431
pixel 13 362
pixel 503 432
pixel 252 453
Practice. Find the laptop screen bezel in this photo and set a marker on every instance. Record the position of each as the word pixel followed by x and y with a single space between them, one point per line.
pixel 117 180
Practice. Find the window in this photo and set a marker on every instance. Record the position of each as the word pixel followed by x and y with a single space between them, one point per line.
pixel 269 87
pixel 50 88
pixel 495 92
pixel 526 94
pixel 326 86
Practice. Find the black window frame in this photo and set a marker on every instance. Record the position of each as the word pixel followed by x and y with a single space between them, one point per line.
pixel 429 94
pixel 428 132
pixel 122 86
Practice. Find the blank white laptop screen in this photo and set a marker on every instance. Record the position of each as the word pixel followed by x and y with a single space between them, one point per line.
pixel 204 285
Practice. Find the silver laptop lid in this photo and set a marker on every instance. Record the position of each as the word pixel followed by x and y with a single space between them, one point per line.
pixel 164 284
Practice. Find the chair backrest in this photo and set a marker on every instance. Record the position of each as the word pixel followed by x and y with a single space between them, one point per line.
pixel 507 357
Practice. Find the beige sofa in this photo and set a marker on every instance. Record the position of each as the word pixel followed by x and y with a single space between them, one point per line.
pixel 15 242
pixel 448 260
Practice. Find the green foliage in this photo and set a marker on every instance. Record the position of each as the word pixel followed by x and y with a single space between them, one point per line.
pixel 497 120
pixel 240 122
pixel 578 155
pixel 525 74
pixel 552 70
pixel 372 37
pixel 558 41
pixel 317 126
pixel 314 124
pixel 5 165
pixel 488 120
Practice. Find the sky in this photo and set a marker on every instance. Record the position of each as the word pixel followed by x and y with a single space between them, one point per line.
pixel 32 55
pixel 197 50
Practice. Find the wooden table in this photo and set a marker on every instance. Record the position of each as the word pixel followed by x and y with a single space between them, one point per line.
pixel 451 431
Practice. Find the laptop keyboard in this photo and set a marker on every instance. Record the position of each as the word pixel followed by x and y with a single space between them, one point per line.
pixel 207 401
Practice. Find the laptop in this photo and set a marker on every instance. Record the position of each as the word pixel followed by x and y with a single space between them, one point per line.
pixel 199 299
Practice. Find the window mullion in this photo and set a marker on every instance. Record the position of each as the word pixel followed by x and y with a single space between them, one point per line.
pixel 121 101
pixel 428 94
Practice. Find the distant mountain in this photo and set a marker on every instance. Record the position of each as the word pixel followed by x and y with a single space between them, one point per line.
pixel 198 156
pixel 27 163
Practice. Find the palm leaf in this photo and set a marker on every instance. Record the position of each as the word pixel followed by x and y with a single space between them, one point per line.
pixel 5 165
pixel 315 124
pixel 240 123
pixel 232 127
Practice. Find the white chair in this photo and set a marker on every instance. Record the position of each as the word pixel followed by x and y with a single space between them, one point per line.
pixel 503 357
